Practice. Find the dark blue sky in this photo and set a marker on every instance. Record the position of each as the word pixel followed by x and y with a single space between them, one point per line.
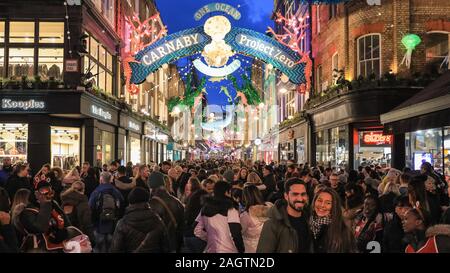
pixel 179 14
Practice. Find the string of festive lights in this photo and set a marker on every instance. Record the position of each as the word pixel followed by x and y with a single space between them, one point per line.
pixel 68 28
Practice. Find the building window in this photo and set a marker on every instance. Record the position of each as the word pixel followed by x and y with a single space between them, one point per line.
pixel 100 63
pixel 2 32
pixel 290 104
pixel 23 47
pixel 21 62
pixel 437 52
pixel 106 8
pixel 318 18
pixel 65 147
pixel 332 11
pixel 334 67
pixel 21 32
pixel 13 141
pixel 369 61
pixel 51 32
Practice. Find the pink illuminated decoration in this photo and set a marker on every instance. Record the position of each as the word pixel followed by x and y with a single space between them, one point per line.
pixel 142 34
pixel 295 30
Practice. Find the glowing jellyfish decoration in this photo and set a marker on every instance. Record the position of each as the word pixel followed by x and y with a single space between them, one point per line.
pixel 410 41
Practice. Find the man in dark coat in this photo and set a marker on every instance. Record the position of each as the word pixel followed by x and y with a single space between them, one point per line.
pixel 141 229
pixel 169 208
pixel 18 181
pixel 286 230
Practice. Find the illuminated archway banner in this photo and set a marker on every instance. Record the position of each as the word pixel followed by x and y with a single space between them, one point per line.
pixel 191 41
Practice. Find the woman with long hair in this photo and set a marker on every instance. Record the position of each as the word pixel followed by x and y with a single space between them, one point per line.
pixel 330 233
pixel 192 186
pixel 253 217
pixel 242 178
pixel 417 193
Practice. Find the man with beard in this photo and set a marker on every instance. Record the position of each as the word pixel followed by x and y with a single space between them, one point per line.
pixel 286 230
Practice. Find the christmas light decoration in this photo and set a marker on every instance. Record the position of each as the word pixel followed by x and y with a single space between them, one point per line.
pixel 410 41
pixel 294 32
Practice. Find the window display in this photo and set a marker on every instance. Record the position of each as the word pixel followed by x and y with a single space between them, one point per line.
pixel 301 150
pixel 135 150
pixel 21 32
pixel 447 154
pixel 13 141
pixel 373 148
pixel 65 147
pixel 51 63
pixel 332 147
pixel 105 151
pixel 425 144
pixel 51 32
pixel 21 62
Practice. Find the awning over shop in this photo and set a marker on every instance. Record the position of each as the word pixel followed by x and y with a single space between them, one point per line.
pixel 430 108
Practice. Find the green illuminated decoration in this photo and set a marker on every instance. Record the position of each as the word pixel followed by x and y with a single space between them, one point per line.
pixel 192 96
pixel 247 93
pixel 410 41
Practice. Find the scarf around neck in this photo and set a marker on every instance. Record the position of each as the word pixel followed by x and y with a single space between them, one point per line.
pixel 316 224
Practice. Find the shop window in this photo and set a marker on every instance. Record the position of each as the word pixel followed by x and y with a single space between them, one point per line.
pixel 51 63
pixel 135 150
pixel 93 48
pixel 101 79
pixel 21 32
pixel 105 151
pixel 51 32
pixel 21 62
pixel 102 55
pixel 425 145
pixel 369 61
pixel 301 150
pixel 13 141
pixel 373 148
pixel 108 83
pixel 109 61
pixel 65 147
pixel 2 32
pixel 437 52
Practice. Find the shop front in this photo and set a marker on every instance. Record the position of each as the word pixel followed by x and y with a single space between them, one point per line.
pixel 293 143
pixel 422 123
pixel 40 127
pixel 132 140
pixel 347 132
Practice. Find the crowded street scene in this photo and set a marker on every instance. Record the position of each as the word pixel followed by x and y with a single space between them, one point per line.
pixel 240 126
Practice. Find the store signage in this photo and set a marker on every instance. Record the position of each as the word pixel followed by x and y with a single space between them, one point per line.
pixel 213 7
pixel 98 111
pixel 242 41
pixel 9 104
pixel 71 65
pixel 134 125
pixel 376 139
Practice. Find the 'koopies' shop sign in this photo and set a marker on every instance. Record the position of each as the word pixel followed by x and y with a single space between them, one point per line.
pixel 31 105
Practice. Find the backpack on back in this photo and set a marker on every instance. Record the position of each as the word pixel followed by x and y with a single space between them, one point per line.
pixel 107 207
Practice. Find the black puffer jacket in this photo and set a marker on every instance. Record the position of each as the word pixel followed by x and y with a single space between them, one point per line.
pixel 175 230
pixel 16 183
pixel 77 208
pixel 140 223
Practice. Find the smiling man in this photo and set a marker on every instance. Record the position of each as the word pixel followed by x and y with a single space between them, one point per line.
pixel 287 230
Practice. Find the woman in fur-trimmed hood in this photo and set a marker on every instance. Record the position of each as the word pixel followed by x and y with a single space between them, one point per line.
pixel 435 239
pixel 253 217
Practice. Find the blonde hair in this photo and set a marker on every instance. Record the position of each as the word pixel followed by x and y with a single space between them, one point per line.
pixel 21 200
pixel 391 187
pixel 214 178
pixel 253 178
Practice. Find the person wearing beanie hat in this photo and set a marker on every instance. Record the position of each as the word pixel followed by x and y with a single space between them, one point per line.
pixel 169 208
pixel 156 180
pixel 141 229
pixel 138 195
pixel 45 221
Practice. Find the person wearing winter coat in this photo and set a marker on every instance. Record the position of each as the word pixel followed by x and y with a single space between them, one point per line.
pixel 104 225
pixel 71 177
pixel 90 181
pixel 192 209
pixel 43 223
pixel 369 224
pixel 330 234
pixel 390 193
pixel 393 231
pixel 18 180
pixel 269 182
pixel 218 222
pixel 253 218
pixel 433 199
pixel 169 208
pixel 287 229
pixel 435 239
pixel 354 201
pixel 6 171
pixel 8 239
pixel 141 229
pixel 76 207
